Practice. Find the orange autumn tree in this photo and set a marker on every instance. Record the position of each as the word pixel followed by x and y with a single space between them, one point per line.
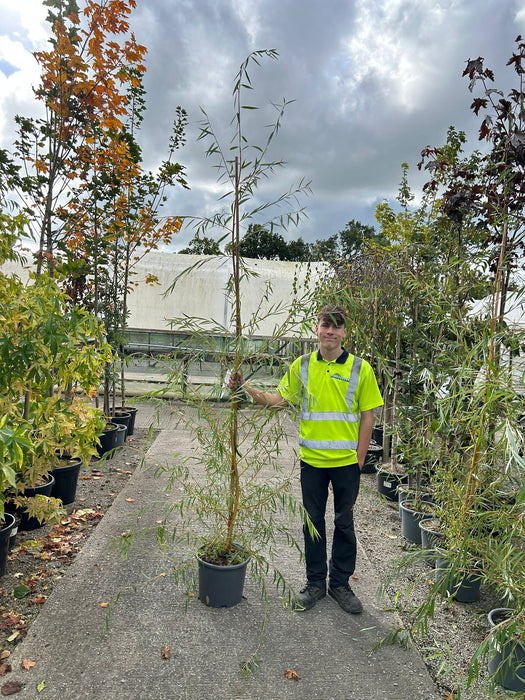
pixel 89 203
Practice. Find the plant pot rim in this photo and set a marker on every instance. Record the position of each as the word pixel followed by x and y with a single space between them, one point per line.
pixel 42 481
pixel 502 612
pixel 405 505
pixel 240 564
pixel 67 462
pixel 6 525
pixel 425 524
pixel 383 468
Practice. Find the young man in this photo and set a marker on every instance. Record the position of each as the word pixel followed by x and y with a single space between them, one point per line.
pixel 337 393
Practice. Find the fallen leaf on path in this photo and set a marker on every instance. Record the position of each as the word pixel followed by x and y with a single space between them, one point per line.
pixel 292 675
pixel 37 600
pixel 130 500
pixel 9 619
pixel 5 669
pixel 11 687
pixel 104 605
pixel 165 652
pixel 21 591
pixel 28 664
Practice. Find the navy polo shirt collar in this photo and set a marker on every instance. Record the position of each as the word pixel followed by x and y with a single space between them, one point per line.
pixel 340 360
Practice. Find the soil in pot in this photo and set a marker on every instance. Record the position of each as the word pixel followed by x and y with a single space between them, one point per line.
pixel 506 655
pixel 66 479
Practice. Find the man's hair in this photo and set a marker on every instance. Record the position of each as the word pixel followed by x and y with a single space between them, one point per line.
pixel 332 313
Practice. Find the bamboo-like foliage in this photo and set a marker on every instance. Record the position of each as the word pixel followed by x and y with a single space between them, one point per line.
pixel 233 494
pixel 455 371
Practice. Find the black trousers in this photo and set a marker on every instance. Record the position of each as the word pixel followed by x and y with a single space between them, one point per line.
pixel 314 485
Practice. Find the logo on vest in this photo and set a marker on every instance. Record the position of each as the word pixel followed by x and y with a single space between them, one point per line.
pixel 342 379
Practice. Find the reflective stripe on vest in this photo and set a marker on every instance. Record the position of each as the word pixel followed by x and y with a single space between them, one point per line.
pixel 347 417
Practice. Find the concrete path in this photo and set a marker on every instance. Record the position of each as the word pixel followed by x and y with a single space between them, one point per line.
pixel 77 658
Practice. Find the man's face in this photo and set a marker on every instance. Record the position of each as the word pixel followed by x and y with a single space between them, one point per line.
pixel 330 334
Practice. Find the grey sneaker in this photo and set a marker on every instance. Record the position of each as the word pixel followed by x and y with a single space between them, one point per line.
pixel 346 598
pixel 308 597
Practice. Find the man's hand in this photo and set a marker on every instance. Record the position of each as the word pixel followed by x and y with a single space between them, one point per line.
pixel 262 398
pixel 235 382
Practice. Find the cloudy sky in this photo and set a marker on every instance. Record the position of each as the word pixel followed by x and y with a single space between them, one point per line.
pixel 373 82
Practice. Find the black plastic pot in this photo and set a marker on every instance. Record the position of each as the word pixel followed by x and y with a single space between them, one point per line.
pixel 388 483
pixel 221 586
pixel 373 456
pixel 5 537
pixel 465 588
pixel 14 530
pixel 120 438
pixel 45 489
pixel 430 540
pixel 133 411
pixel 377 434
pixel 66 479
pixel 410 519
pixel 404 493
pixel 506 656
pixel 121 417
pixel 107 440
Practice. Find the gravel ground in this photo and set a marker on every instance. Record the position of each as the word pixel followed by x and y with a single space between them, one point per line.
pixel 456 629
pixel 41 557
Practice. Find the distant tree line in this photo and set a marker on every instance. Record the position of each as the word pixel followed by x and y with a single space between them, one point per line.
pixel 262 243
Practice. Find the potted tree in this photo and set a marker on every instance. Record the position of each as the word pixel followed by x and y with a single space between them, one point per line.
pixel 231 488
pixel 48 372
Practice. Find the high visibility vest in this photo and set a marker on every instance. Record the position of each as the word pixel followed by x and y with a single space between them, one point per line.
pixel 330 412
pixel 347 416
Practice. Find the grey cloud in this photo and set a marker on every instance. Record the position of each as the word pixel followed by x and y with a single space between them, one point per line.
pixel 353 121
pixel 348 136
